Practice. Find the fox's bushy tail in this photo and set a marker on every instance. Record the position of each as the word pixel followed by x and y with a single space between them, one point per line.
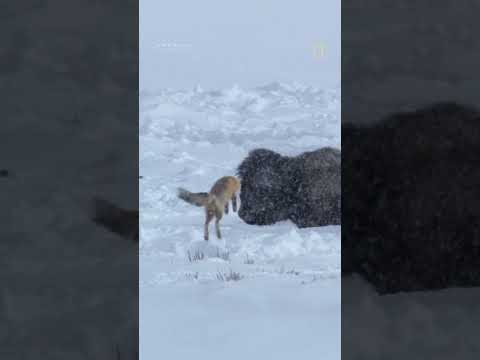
pixel 197 199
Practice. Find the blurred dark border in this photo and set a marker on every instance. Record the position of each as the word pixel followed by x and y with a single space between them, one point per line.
pixel 410 270
pixel 68 135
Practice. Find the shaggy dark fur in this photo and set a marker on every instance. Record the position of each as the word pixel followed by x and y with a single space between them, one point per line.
pixel 304 189
pixel 411 208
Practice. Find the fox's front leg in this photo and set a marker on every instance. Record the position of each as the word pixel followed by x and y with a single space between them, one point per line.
pixel 208 217
pixel 234 202
pixel 226 208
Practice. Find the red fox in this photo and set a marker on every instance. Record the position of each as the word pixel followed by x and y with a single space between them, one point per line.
pixel 215 202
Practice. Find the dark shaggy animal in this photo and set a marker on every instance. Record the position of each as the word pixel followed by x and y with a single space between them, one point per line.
pixel 304 189
pixel 411 200
pixel 119 221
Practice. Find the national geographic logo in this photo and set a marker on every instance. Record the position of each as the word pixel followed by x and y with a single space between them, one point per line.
pixel 318 50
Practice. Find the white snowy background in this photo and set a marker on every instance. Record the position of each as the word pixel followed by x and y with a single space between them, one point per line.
pixel 287 303
pixel 216 82
pixel 217 43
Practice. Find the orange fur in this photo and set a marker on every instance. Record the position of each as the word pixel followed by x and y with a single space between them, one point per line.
pixel 215 202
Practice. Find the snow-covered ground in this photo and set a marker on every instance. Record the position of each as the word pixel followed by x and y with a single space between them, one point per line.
pixel 286 303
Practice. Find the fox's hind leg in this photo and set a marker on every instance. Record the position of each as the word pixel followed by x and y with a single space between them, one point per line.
pixel 226 208
pixel 208 217
pixel 234 202
pixel 218 215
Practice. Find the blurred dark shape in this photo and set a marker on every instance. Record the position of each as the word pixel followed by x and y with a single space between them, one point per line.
pixel 411 190
pixel 305 189
pixel 120 221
